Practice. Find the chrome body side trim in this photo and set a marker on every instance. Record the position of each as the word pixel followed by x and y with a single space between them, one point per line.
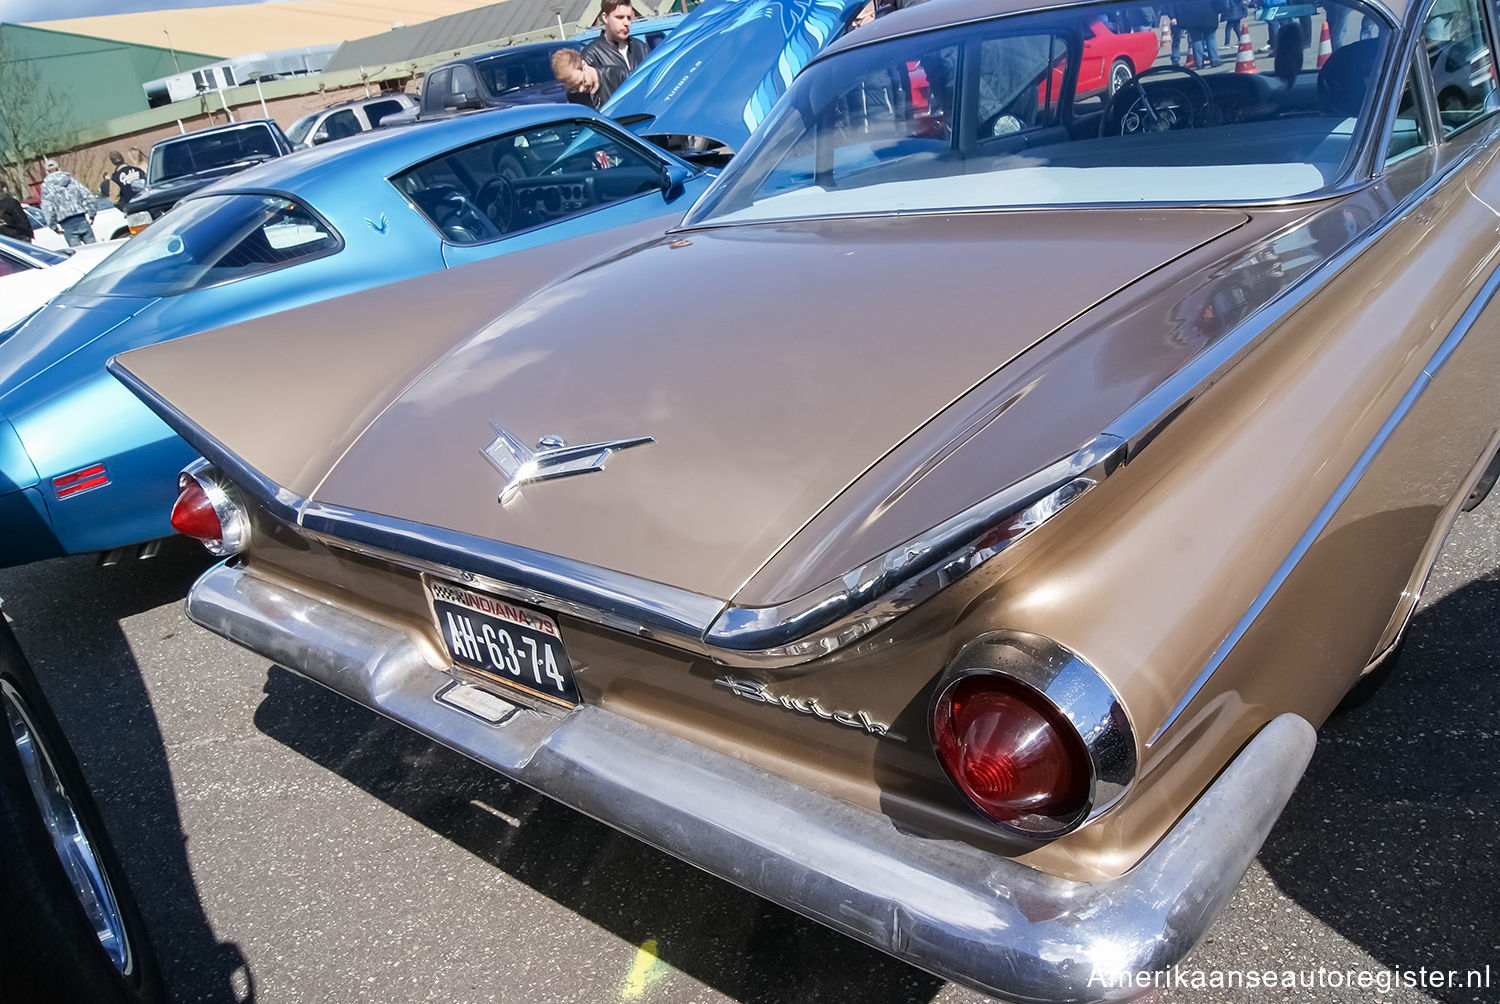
pixel 1076 689
pixel 1345 488
pixel 963 913
pixel 588 591
pixel 853 605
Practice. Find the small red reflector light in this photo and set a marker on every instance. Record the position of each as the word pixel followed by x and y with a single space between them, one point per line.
pixel 80 481
pixel 1010 751
pixel 193 514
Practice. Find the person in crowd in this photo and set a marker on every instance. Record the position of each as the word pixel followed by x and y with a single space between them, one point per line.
pixel 67 205
pixel 578 78
pixel 128 180
pixel 614 54
pixel 13 221
pixel 1235 12
pixel 1198 20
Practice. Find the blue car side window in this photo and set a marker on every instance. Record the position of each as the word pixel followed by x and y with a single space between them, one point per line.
pixel 529 179
pixel 212 240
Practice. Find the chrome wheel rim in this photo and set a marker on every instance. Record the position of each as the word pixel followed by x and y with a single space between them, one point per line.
pixel 70 840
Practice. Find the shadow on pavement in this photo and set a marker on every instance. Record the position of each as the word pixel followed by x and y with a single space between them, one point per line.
pixel 1393 837
pixel 737 943
pixel 67 615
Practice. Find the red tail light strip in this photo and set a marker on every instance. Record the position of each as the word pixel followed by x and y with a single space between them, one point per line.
pixel 80 481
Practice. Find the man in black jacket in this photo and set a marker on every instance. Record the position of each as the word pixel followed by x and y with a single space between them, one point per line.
pixel 614 53
pixel 128 180
pixel 13 221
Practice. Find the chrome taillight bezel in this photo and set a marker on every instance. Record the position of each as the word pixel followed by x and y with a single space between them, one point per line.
pixel 234 518
pixel 1079 694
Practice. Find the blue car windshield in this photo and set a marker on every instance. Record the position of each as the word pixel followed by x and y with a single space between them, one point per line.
pixel 211 240
pixel 1073 106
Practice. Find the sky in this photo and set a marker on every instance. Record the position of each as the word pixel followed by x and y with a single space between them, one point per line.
pixel 23 11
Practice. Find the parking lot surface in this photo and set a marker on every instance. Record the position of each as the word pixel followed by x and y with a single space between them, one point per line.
pixel 289 846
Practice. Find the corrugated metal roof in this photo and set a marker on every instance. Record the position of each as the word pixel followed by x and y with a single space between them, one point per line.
pixel 495 23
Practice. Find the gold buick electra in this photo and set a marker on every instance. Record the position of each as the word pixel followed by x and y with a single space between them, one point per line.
pixel 955 526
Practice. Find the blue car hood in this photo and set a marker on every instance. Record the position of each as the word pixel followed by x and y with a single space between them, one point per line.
pixel 69 326
pixel 721 70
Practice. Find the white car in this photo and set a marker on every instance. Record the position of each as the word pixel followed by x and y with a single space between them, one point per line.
pixel 109 223
pixel 30 274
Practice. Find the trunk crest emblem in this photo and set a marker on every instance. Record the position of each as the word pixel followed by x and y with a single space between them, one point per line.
pixel 552 458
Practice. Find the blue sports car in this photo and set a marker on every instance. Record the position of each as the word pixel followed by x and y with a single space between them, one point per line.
pixel 85 467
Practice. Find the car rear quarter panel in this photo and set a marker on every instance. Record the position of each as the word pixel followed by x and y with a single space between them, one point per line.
pixel 1224 509
pixel 1248 560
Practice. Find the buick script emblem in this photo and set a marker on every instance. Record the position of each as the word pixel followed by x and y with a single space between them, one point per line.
pixel 552 458
pixel 757 692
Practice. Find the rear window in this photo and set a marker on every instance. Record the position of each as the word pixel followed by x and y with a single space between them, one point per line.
pixel 300 128
pixel 195 153
pixel 512 72
pixel 212 240
pixel 377 110
pixel 1075 106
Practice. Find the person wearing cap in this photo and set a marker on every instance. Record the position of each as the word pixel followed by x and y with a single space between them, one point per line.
pixel 67 205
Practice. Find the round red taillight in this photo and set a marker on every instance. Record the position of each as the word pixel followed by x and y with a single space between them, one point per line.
pixel 207 511
pixel 194 516
pixel 1012 753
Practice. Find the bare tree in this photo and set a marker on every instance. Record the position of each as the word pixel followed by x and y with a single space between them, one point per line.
pixel 33 117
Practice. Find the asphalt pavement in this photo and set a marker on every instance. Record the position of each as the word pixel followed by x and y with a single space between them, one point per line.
pixel 289 846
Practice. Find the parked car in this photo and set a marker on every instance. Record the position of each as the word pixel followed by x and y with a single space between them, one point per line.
pixel 347 118
pixel 968 553
pixel 31 275
pixel 516 74
pixel 109 224
pixel 722 68
pixel 1459 70
pixel 651 30
pixel 284 234
pixel 181 165
pixel 85 467
pixel 70 929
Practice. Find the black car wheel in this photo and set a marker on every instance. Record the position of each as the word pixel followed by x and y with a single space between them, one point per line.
pixel 70 930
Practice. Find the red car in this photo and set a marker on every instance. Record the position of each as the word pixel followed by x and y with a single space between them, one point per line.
pixel 1110 59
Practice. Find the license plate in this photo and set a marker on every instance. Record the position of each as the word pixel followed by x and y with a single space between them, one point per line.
pixel 503 641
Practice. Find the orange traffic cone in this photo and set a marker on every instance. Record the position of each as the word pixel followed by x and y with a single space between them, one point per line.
pixel 1325 46
pixel 1166 36
pixel 1244 62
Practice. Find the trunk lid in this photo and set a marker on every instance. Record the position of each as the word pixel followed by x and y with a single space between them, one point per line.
pixel 772 364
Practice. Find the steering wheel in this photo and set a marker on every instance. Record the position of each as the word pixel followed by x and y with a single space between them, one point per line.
pixel 497 197
pixel 1130 110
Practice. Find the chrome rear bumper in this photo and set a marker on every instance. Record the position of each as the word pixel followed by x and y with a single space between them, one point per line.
pixel 964 914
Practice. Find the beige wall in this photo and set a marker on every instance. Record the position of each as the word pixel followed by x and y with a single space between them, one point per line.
pixel 241 29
